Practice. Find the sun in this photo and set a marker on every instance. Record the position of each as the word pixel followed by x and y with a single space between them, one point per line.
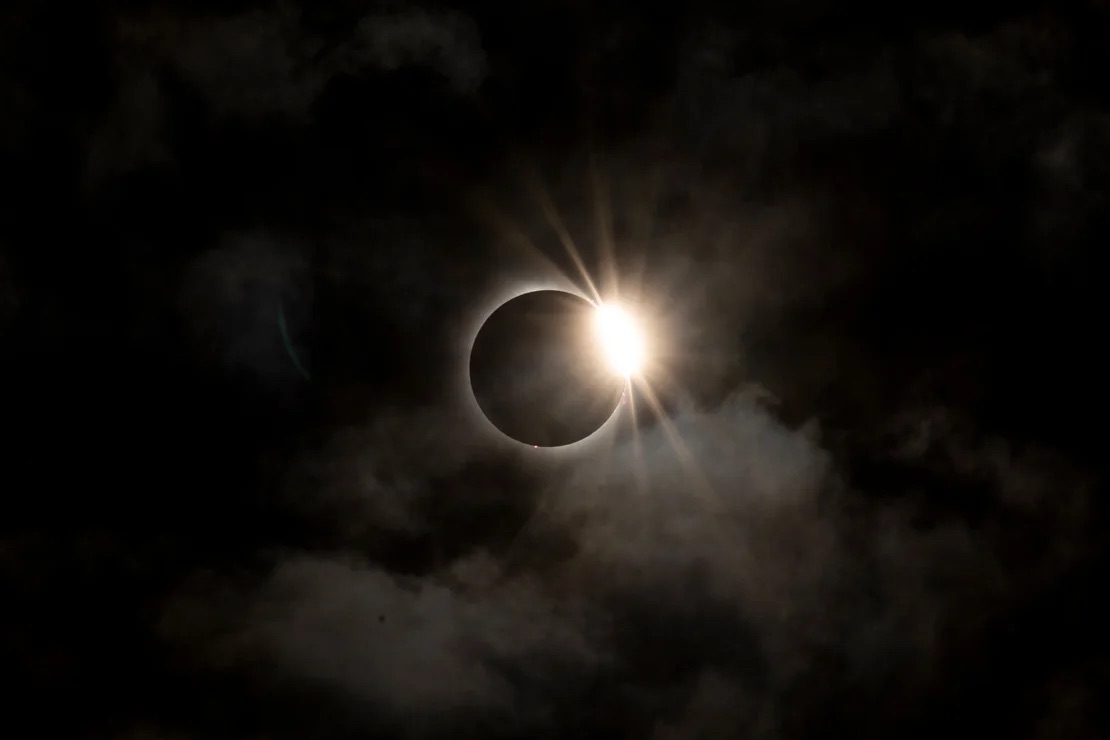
pixel 621 338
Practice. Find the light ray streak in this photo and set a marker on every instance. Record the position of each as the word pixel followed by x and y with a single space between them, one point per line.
pixel 701 484
pixel 560 229
pixel 603 222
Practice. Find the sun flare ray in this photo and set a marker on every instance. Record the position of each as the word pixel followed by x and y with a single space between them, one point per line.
pixel 560 229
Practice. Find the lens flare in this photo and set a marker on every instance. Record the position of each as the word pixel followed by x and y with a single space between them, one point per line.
pixel 622 340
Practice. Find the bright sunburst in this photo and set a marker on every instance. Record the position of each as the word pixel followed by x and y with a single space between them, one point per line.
pixel 622 342
pixel 622 339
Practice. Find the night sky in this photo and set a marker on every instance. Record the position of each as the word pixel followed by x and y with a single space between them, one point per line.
pixel 245 494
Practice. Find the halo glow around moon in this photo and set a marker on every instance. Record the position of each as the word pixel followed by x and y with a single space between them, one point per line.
pixel 548 368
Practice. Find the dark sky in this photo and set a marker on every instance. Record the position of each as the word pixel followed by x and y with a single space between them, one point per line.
pixel 871 242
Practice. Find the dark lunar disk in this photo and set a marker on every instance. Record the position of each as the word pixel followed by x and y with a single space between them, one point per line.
pixel 538 373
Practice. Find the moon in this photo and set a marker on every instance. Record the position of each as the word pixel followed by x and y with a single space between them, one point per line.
pixel 547 370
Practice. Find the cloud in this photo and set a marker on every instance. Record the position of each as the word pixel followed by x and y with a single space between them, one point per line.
pixel 763 115
pixel 850 585
pixel 378 478
pixel 425 653
pixel 254 64
pixel 737 590
pixel 269 62
pixel 447 41
pixel 258 64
